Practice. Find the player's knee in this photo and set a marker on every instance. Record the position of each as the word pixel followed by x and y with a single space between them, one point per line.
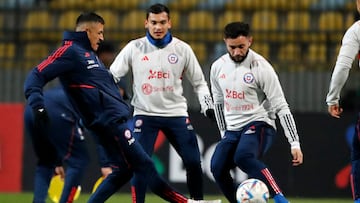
pixel 78 163
pixel 243 160
pixel 216 170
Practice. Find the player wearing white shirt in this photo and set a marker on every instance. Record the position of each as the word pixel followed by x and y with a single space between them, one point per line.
pixel 349 49
pixel 158 63
pixel 157 76
pixel 247 97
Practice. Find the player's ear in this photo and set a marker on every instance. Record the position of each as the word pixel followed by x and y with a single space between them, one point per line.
pixel 250 40
pixel 169 24
pixel 146 24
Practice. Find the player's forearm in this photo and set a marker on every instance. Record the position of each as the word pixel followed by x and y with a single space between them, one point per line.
pixel 33 90
pixel 288 124
pixel 220 118
pixel 338 80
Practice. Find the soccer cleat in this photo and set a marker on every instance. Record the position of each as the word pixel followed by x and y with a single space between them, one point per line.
pixel 211 201
pixel 279 198
pixel 204 201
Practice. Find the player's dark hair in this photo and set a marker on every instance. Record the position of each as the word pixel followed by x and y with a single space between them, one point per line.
pixel 156 9
pixel 236 29
pixel 89 17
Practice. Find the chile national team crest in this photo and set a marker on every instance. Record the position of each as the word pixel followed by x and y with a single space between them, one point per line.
pixel 127 134
pixel 173 58
pixel 248 78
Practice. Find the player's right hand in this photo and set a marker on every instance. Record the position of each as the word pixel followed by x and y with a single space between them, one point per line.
pixel 41 116
pixel 335 110
pixel 297 156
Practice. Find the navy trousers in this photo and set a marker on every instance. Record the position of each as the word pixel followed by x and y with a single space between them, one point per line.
pixel 181 135
pixel 128 158
pixel 243 149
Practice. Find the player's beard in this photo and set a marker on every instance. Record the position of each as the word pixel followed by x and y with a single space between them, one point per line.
pixel 238 59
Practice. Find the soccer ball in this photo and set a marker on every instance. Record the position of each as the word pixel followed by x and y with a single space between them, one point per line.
pixel 252 191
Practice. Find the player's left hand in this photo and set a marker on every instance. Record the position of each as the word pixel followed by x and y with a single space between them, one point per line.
pixel 335 110
pixel 297 156
pixel 59 170
pixel 210 114
pixel 105 171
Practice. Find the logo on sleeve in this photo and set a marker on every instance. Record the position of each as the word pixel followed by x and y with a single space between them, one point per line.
pixel 129 137
pixel 138 124
pixel 92 64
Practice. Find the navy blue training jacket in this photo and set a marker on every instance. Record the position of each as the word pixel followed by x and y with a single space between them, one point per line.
pixel 87 83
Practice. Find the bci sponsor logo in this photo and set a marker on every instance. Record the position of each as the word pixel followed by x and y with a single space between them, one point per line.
pixel 235 94
pixel 158 74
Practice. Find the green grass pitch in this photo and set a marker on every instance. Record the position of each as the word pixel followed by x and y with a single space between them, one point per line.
pixel 150 198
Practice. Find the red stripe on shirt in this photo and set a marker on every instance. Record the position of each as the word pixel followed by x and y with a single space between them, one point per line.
pixel 59 52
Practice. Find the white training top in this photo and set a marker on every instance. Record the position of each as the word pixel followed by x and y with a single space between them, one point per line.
pixel 158 74
pixel 249 91
pixel 348 51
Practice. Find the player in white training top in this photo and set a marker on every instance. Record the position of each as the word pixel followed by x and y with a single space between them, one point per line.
pixel 158 62
pixel 247 97
pixel 349 49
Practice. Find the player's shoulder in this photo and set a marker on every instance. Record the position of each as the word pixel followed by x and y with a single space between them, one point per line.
pixel 180 43
pixel 354 28
pixel 255 57
pixel 225 58
pixel 137 42
pixel 356 24
pixel 65 50
pixel 257 61
pixel 220 61
pixel 178 40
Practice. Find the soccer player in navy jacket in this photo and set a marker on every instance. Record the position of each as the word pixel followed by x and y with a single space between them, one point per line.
pixel 95 95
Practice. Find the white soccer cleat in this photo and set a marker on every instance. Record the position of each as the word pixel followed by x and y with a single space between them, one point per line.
pixel 211 201
pixel 204 201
